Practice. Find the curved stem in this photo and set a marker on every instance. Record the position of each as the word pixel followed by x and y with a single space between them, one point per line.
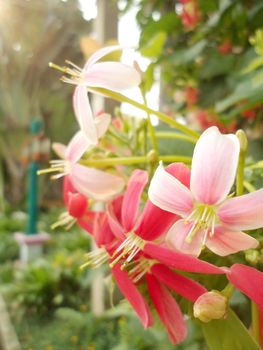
pixel 255 321
pixel 100 163
pixel 163 117
pixel 150 127
pixel 174 135
pixel 241 162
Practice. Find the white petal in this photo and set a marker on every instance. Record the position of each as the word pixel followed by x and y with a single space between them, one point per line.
pixel 167 193
pixel 214 166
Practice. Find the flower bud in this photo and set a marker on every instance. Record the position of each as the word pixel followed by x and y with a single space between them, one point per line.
pixel 210 306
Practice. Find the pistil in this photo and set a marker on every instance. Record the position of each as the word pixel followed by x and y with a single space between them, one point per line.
pixel 203 218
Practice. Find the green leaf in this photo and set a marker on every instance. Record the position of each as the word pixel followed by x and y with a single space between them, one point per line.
pixel 183 56
pixel 228 334
pixel 148 78
pixel 250 89
pixel 168 23
pixel 216 65
pixel 154 47
pixel 253 65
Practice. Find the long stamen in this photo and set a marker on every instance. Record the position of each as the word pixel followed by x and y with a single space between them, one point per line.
pixel 96 258
pixel 56 166
pixel 203 218
pixel 128 249
pixel 142 267
pixel 65 219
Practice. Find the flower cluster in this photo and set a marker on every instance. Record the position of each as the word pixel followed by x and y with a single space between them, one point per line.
pixel 155 223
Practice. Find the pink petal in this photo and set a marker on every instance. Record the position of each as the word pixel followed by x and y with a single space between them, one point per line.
pixel 131 199
pixel 114 217
pixel 99 54
pixel 177 235
pixel 244 212
pixel 102 232
pixel 95 183
pixel 132 294
pixel 114 76
pixel 248 280
pixel 167 309
pixel 68 188
pixel 84 114
pixel 154 222
pixel 59 149
pixel 214 166
pixel 77 146
pixel 225 242
pixel 102 123
pixel 182 285
pixel 181 172
pixel 167 193
pixel 179 260
pixel 87 221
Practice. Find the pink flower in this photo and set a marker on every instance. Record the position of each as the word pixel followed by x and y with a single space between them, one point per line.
pixel 208 216
pixel 113 76
pixel 132 228
pixel 90 182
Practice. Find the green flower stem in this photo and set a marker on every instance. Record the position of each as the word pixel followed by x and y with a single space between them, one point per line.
pixel 239 191
pixel 228 290
pixel 101 163
pixel 150 127
pixel 171 159
pixel 163 117
pixel 255 322
pixel 241 162
pixel 174 135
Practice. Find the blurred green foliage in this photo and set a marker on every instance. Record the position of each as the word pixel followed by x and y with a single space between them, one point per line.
pixel 210 57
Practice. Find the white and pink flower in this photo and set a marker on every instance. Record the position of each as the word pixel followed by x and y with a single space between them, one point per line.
pixel 209 216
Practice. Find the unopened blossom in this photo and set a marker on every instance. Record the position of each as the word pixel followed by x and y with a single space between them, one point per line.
pixel 208 216
pixel 114 76
pixel 210 306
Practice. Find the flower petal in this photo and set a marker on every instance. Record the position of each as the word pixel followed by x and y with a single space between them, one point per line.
pixel 114 217
pixel 225 242
pixel 84 114
pixel 131 199
pixel 182 285
pixel 154 222
pixel 114 76
pixel 248 280
pixel 102 232
pixel 181 172
pixel 132 294
pixel 102 123
pixel 170 194
pixel 67 189
pixel 95 183
pixel 77 146
pixel 179 260
pixel 167 309
pixel 244 212
pixel 177 236
pixel 214 166
pixel 59 149
pixel 99 54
